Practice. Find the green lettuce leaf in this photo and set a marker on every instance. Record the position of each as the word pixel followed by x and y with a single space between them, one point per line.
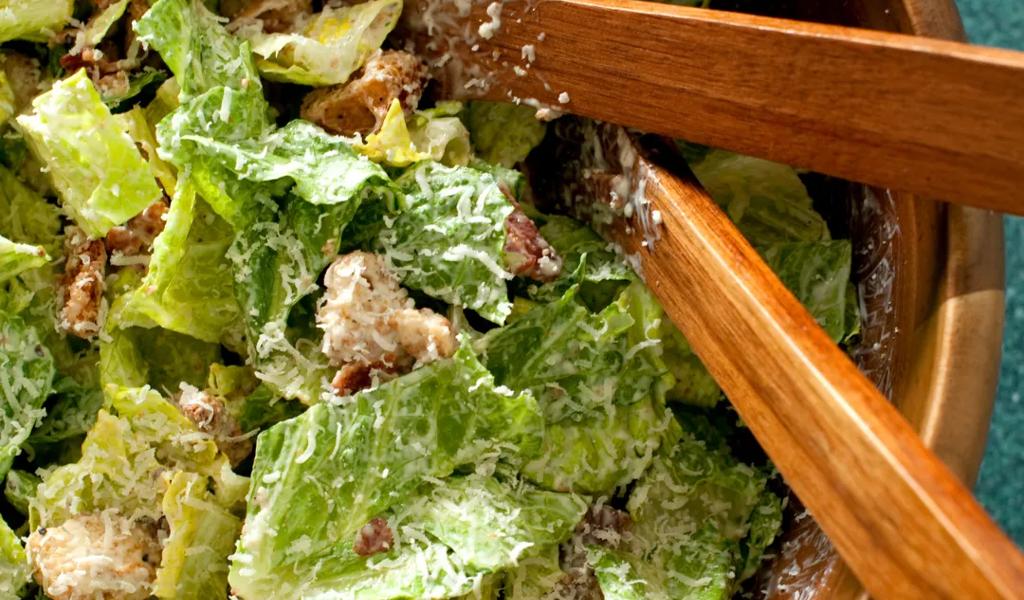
pixel 448 241
pixel 26 217
pixel 19 489
pixel 99 24
pixel 536 576
pixel 701 522
pixel 14 567
pixel 320 477
pixel 188 287
pixel 194 563
pixel 447 555
pixel 818 274
pixel 766 200
pixel 26 379
pixel 605 275
pixel 136 356
pixel 503 133
pixel 98 173
pixel 34 20
pixel 17 258
pixel 131 453
pixel 332 45
pixel 71 411
pixel 202 55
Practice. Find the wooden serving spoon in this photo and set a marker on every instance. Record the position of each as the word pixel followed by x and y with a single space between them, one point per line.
pixel 938 118
pixel 903 522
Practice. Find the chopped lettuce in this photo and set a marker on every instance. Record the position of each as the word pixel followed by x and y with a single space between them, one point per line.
pixel 605 274
pixel 26 379
pixel 461 554
pixel 98 173
pixel 7 99
pixel 766 200
pixel 16 258
pixel 188 287
pixel 818 274
pixel 197 49
pixel 14 567
pixel 99 25
pixel 26 217
pixel 19 489
pixel 72 410
pixel 503 133
pixel 202 535
pixel 599 380
pixel 536 576
pixel 331 46
pixel 129 456
pixel 433 134
pixel 33 20
pixel 449 239
pixel 578 363
pixel 320 477
pixel 701 523
pixel 137 356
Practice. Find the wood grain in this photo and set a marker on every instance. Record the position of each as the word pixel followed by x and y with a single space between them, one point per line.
pixel 902 521
pixel 934 117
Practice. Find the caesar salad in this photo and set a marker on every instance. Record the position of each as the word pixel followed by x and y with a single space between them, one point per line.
pixel 277 322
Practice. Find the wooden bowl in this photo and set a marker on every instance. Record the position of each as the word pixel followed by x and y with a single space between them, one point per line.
pixel 930 280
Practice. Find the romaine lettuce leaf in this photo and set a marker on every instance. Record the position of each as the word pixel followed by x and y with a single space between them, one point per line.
pixel 17 258
pixel 503 133
pixel 578 363
pixel 138 356
pixel 101 22
pixel 433 134
pixel 33 20
pixel 7 99
pixel 194 563
pixel 71 411
pixel 332 45
pixel 131 453
pixel 766 200
pixel 26 379
pixel 448 241
pixel 188 287
pixel 536 576
pixel 202 55
pixel 19 489
pixel 320 477
pixel 694 535
pixel 818 274
pixel 445 554
pixel 14 567
pixel 98 173
pixel 26 217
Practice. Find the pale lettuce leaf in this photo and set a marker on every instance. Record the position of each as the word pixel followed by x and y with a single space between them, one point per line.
pixel 194 563
pixel 433 134
pixel 14 566
pixel 16 258
pixel 101 178
pixel 33 20
pixel 331 45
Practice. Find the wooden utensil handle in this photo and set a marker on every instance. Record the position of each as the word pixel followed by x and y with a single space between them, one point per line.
pixel 938 118
pixel 897 515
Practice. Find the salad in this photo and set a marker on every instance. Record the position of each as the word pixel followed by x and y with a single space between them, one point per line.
pixel 275 322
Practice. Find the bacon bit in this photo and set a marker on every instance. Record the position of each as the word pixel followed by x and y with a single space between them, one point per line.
pixel 375 537
pixel 136 237
pixel 82 285
pixel 359 106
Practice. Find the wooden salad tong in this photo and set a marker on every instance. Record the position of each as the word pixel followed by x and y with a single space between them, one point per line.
pixel 938 118
pixel 903 522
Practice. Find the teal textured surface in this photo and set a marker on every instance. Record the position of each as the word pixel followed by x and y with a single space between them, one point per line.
pixel 1001 482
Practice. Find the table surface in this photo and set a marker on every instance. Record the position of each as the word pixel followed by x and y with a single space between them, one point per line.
pixel 1001 482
